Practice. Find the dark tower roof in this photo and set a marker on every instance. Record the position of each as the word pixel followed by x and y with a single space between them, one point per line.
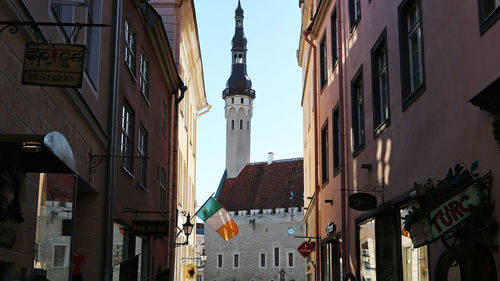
pixel 239 83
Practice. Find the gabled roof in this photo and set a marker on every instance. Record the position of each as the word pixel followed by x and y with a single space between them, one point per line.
pixel 263 186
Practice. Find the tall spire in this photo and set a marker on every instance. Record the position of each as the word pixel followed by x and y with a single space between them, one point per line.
pixel 239 83
pixel 238 97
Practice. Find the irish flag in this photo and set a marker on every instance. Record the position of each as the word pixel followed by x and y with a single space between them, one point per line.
pixel 217 218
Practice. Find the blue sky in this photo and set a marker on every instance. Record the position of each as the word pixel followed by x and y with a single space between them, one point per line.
pixel 272 28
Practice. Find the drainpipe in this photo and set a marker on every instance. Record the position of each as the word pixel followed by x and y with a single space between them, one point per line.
pixel 173 179
pixel 107 270
pixel 343 158
pixel 307 33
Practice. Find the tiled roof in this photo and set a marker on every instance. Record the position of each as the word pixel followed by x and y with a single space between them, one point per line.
pixel 263 186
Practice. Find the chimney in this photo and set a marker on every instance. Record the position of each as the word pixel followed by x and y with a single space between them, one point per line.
pixel 270 158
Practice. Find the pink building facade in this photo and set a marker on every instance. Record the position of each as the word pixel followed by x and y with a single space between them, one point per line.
pixel 396 93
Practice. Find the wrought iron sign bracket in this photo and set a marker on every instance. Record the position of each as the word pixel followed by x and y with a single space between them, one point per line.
pixel 13 26
pixel 375 187
pixel 96 160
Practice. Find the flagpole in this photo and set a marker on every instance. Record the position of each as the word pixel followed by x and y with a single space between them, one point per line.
pixel 204 204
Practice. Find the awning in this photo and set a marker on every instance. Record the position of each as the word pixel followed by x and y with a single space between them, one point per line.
pixel 50 153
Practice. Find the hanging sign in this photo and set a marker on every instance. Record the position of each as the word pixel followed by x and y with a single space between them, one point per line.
pixel 330 228
pixel 190 271
pixel 455 210
pixel 305 249
pixel 362 201
pixel 150 228
pixel 58 65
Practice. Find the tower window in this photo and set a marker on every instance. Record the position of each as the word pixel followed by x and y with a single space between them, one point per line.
pixel 232 100
pixel 232 124
pixel 242 101
pixel 241 124
pixel 239 22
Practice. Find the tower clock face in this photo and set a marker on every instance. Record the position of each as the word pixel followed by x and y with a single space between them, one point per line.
pixel 291 231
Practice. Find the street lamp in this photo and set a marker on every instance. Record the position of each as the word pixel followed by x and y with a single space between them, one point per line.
pixel 187 228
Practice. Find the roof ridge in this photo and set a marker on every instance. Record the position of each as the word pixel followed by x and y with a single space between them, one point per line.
pixel 279 160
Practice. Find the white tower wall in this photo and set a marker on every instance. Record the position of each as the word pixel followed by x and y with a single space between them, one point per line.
pixel 238 130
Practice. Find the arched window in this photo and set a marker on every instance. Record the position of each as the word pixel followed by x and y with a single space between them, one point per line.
pixel 232 124
pixel 241 124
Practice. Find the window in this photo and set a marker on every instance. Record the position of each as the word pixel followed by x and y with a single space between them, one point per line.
pixel 127 143
pixel 354 13
pixel 412 56
pixel 489 13
pixel 322 61
pixel 163 187
pixel 367 250
pixel 415 261
pixel 232 124
pixel 236 261
pixel 380 85
pixel 331 261
pixel 130 41
pixel 93 41
pixel 242 101
pixel 232 100
pixel 324 153
pixel 262 260
pixel 357 112
pixel 290 259
pixel 64 13
pixel 219 261
pixel 333 27
pixel 239 57
pixel 241 124
pixel 59 259
pixel 276 257
pixel 164 118
pixel 336 140
pixel 142 149
pixel 144 78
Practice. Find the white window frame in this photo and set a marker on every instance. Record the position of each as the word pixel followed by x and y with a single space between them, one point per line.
pixel 144 75
pixel 288 259
pixel 65 257
pixel 259 260
pixel 142 163
pixel 130 43
pixel 127 137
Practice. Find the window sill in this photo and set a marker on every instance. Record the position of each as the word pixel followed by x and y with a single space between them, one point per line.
pixel 381 128
pixel 352 29
pixel 127 172
pixel 142 187
pixel 324 183
pixel 488 21
pixel 131 72
pixel 413 97
pixel 146 99
pixel 336 171
pixel 357 151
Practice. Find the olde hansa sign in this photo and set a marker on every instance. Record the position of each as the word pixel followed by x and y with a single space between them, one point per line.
pixel 447 215
pixel 59 65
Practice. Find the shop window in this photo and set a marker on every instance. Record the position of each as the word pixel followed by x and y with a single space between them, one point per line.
pixel 367 254
pixel 324 153
pixel 412 54
pixel 54 227
pixel 118 249
pixel 142 148
pixel 489 13
pixel 331 261
pixel 415 261
pixel 357 112
pixel 322 61
pixel 380 88
pixel 127 138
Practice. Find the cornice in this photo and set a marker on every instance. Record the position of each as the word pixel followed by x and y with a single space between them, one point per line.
pixel 319 18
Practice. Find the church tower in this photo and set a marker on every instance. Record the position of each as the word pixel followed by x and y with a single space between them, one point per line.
pixel 239 97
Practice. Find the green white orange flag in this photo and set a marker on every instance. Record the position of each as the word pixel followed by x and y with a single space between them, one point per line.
pixel 217 218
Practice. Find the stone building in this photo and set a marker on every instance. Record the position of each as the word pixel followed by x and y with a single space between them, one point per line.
pixel 265 201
